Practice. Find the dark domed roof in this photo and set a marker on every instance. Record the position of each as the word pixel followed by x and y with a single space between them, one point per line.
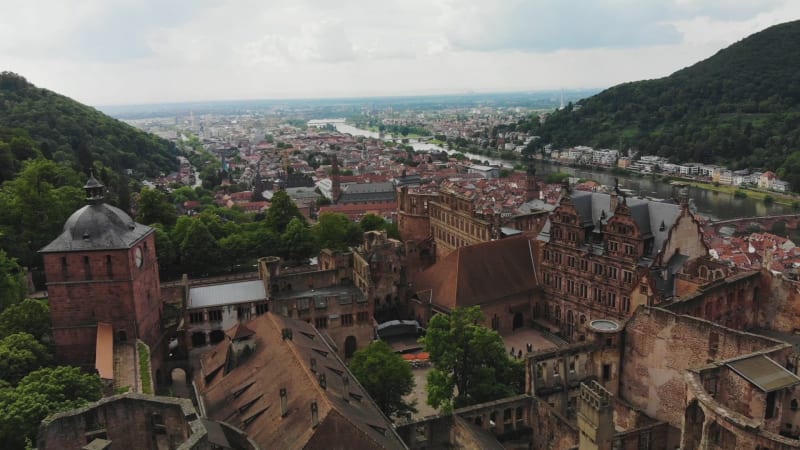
pixel 97 227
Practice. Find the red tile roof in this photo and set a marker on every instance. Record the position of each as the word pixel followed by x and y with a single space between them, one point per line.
pixel 480 273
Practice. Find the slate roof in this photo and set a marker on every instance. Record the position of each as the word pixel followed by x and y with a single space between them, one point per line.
pixel 98 227
pixel 764 373
pixel 649 215
pixel 247 395
pixel 480 273
pixel 226 294
pixel 368 192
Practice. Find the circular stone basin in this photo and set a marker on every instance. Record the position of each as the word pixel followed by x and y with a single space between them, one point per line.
pixel 604 325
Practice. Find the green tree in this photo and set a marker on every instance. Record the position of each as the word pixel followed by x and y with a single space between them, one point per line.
pixel 386 377
pixel 153 207
pixel 371 222
pixel 165 249
pixel 469 359
pixel 336 232
pixel 199 251
pixel 297 241
pixel 42 392
pixel 35 206
pixel 20 354
pixel 281 211
pixel 12 281
pixel 29 316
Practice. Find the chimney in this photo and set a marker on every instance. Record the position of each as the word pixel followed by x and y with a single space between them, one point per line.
pixel 323 382
pixel 314 415
pixel 284 403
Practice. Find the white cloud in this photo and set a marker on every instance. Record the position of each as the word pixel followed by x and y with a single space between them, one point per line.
pixel 133 51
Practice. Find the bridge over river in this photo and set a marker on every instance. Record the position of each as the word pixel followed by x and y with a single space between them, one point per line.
pixel 783 224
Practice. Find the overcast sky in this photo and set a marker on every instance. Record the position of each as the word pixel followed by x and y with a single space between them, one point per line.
pixel 104 52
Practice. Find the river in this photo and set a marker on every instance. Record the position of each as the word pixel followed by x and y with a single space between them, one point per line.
pixel 714 205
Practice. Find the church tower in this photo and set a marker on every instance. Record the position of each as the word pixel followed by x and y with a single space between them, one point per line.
pixel 102 281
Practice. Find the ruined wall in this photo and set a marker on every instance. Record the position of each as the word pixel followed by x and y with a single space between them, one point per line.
pixel 131 422
pixel 659 436
pixel 779 305
pixel 660 346
pixel 627 417
pixel 551 430
pixel 708 424
pixel 739 395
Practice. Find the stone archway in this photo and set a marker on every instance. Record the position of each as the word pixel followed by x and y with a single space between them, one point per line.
pixel 350 346
pixel 179 383
pixel 693 420
pixel 518 321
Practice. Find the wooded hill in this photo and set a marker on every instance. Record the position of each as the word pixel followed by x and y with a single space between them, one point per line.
pixel 36 121
pixel 740 107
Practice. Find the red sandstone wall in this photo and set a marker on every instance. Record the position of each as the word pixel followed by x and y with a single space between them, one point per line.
pixel 660 346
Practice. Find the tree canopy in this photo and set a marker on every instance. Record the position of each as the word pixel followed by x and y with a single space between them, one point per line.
pixel 386 377
pixel 42 392
pixel 36 121
pixel 470 364
pixel 28 316
pixel 740 107
pixel 12 281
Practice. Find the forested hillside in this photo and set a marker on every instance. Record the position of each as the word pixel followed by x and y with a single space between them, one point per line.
pixel 36 121
pixel 740 107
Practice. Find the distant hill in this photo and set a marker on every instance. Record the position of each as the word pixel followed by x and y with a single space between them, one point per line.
pixel 740 107
pixel 36 121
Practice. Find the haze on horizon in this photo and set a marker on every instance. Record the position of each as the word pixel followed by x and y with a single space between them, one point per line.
pixel 112 52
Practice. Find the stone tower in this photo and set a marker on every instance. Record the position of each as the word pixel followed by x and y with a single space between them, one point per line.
pixel 102 274
pixel 595 417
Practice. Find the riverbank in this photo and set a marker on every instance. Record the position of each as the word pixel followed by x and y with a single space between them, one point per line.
pixel 776 197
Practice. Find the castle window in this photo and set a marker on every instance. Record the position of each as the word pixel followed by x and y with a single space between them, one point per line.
pixel 243 312
pixel 87 268
pixel 626 304
pixel 64 267
pixel 321 323
pixel 713 343
pixel 196 317
pixel 215 315
pixel 627 276
pixel 347 320
pixel 644 441
pixel 109 267
pixel 261 308
pixel 606 372
pixel 769 410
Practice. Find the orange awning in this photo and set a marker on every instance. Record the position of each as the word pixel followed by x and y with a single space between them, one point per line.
pixel 104 351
